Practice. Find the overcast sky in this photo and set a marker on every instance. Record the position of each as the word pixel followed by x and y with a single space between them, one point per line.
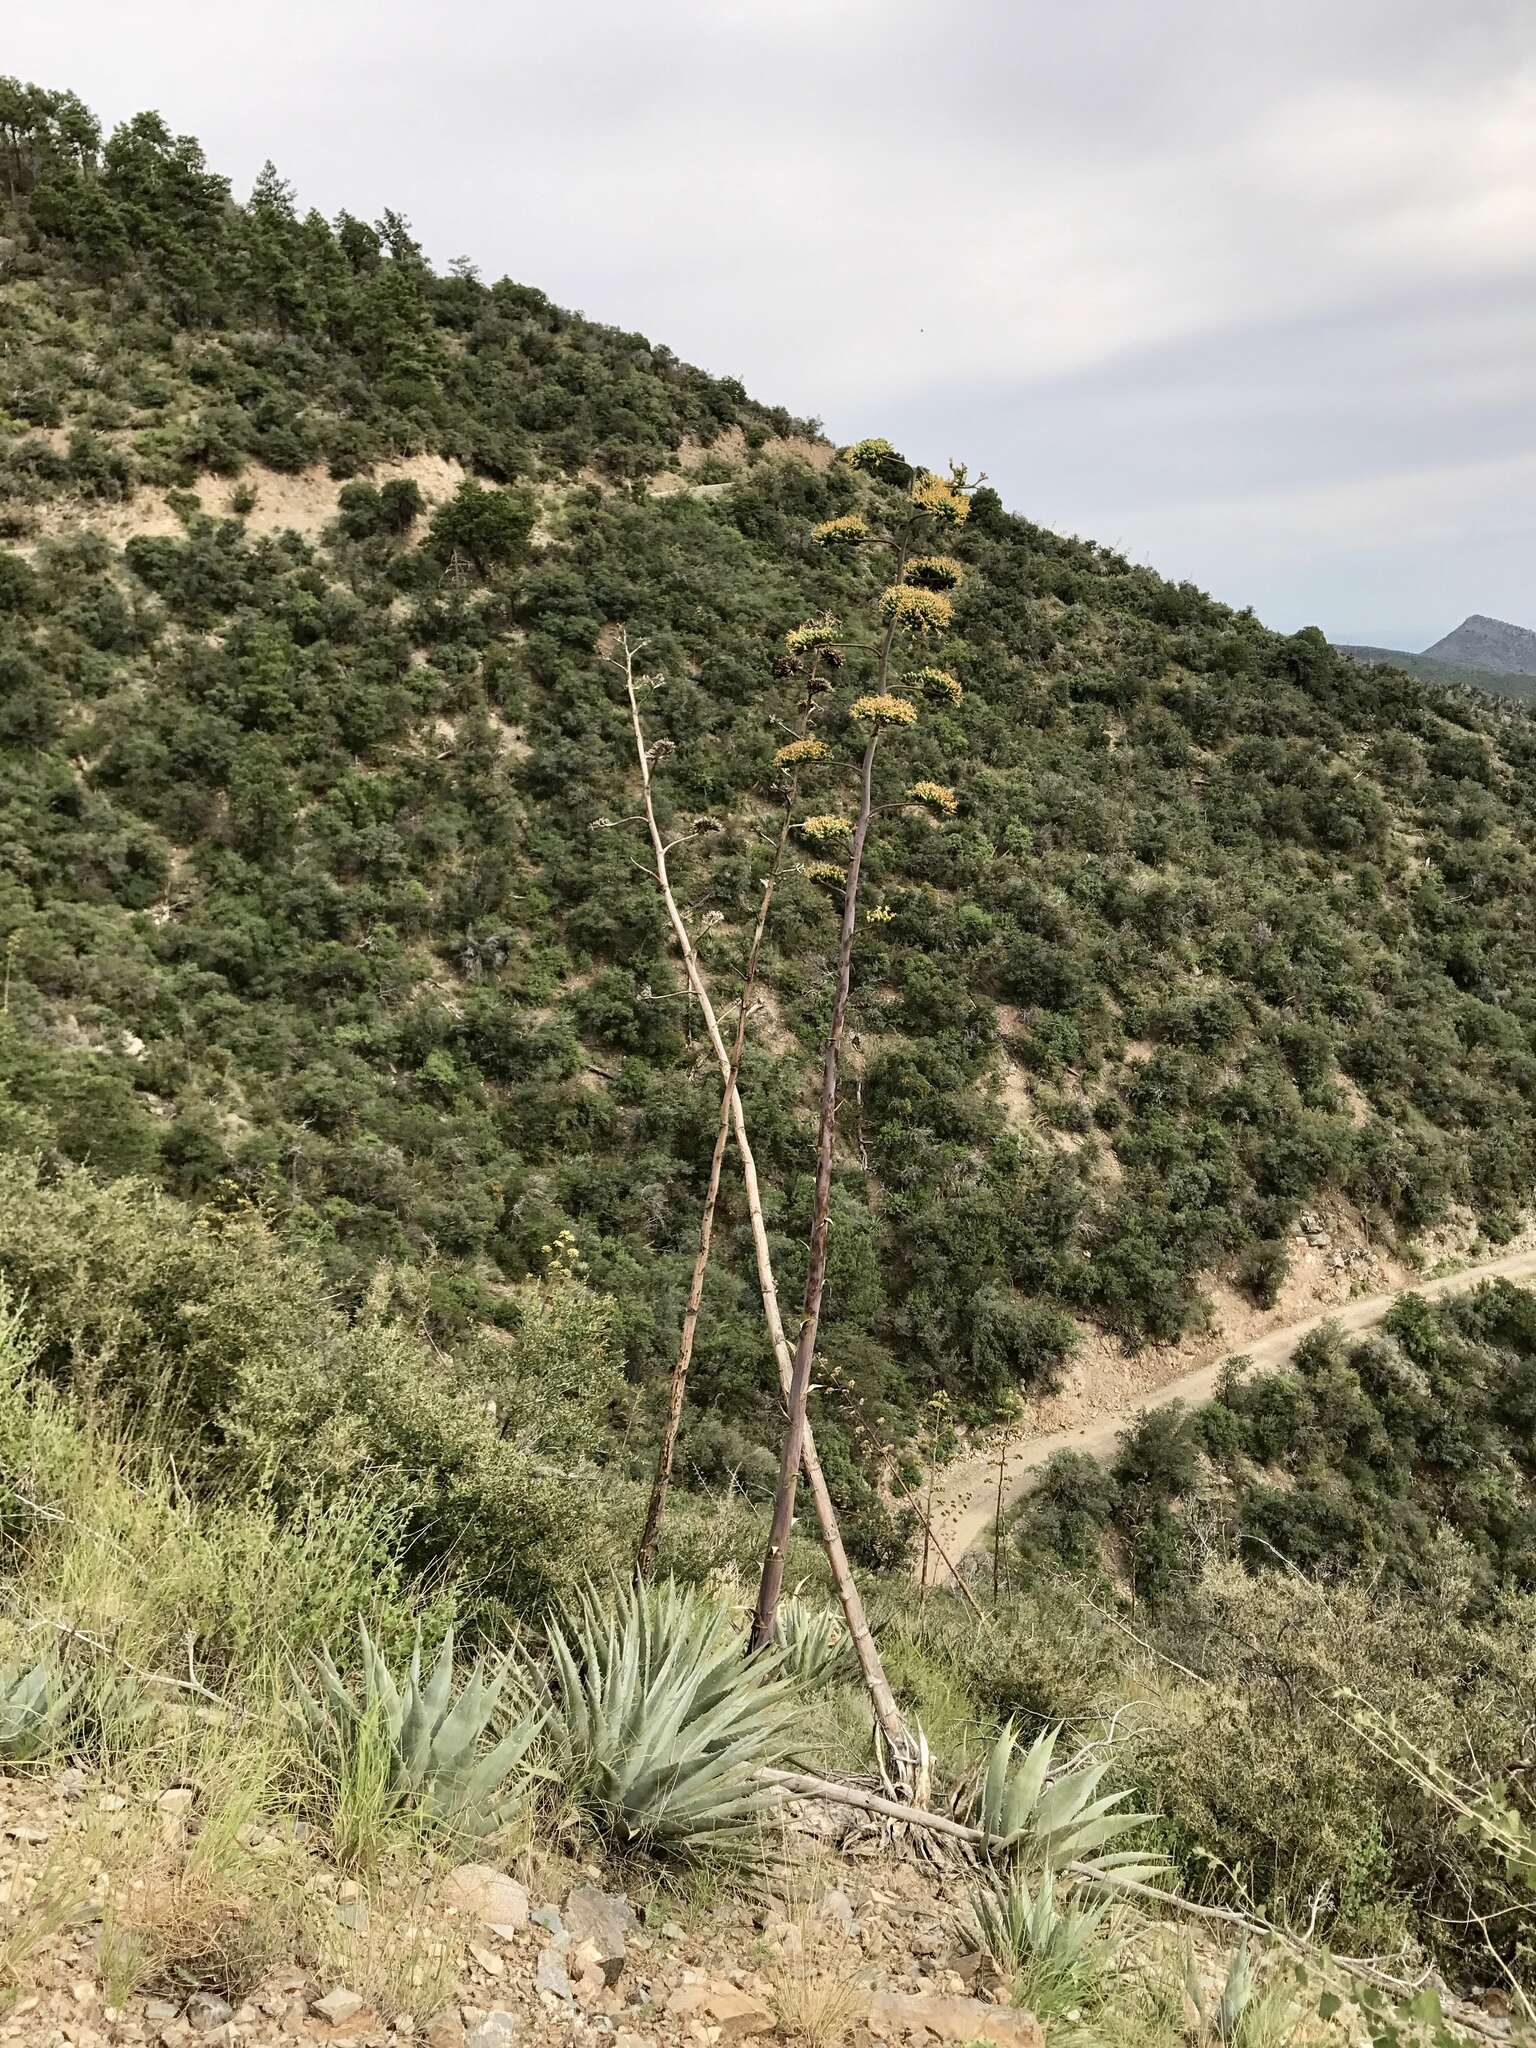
pixel 1246 288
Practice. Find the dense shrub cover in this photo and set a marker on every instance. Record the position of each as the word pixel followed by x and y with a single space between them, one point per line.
pixel 1407 1455
pixel 310 908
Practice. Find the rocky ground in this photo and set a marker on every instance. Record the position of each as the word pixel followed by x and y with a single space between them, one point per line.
pixel 550 1954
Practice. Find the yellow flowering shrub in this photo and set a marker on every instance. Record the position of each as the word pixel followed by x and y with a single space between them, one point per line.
pixel 941 499
pixel 935 572
pixel 844 532
pixel 883 710
pixel 816 633
pixel 917 611
pixel 936 796
pixel 826 871
pixel 808 749
pixel 938 685
pixel 830 825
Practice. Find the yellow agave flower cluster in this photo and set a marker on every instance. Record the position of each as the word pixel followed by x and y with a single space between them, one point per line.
pixel 828 871
pixel 935 572
pixel 883 710
pixel 917 611
pixel 815 633
pixel 938 685
pixel 881 914
pixel 940 498
pixel 808 749
pixel 830 825
pixel 936 796
pixel 868 454
pixel 845 532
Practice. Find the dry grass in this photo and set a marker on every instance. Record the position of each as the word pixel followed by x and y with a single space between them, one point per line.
pixel 815 1991
pixel 35 1909
pixel 401 1957
pixel 813 1973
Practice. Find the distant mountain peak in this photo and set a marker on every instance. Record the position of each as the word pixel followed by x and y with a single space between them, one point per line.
pixel 1481 642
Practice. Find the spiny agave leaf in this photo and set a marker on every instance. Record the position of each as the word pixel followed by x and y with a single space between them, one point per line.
pixel 994 1784
pixel 441 1751
pixel 661 1721
pixel 1065 1800
pixel 1235 1994
pixel 1123 1867
pixel 1072 1844
pixel 438 1690
pixel 33 1708
pixel 1009 1791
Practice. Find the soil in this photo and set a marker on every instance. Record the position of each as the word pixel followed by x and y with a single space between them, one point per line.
pixel 1339 1280
pixel 303 501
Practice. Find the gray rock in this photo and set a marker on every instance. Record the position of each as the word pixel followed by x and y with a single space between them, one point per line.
pixel 548 1917
pixel 338 2006
pixel 550 1975
pixel 490 1896
pixel 159 2010
pixel 604 1921
pixel 497 2030
pixel 353 1913
pixel 836 1909
pixel 205 2012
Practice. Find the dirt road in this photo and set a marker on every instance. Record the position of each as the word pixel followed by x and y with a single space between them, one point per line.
pixel 965 1500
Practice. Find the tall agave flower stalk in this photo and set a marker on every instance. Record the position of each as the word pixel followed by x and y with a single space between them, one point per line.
pixel 914 603
pixel 802 748
pixel 887 1714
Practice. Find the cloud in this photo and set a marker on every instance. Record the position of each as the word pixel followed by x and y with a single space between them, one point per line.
pixel 1253 284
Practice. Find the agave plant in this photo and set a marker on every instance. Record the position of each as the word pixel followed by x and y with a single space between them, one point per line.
pixel 1034 1819
pixel 1053 1953
pixel 662 1724
pixel 441 1758
pixel 813 1644
pixel 34 1706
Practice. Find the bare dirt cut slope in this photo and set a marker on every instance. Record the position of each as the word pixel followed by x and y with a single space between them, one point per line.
pixel 966 1498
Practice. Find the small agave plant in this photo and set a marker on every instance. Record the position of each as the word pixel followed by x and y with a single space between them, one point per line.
pixel 34 1706
pixel 813 1645
pixel 1053 1952
pixel 1034 1819
pixel 443 1759
pixel 662 1724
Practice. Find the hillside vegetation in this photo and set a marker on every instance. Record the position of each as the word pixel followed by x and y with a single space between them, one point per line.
pixel 308 909
pixel 1448 673
pixel 355 1120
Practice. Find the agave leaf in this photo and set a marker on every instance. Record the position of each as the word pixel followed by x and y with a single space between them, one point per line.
pixel 995 1784
pixel 1024 1788
pixel 1064 1801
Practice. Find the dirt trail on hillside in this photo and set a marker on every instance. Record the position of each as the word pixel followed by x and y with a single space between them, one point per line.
pixel 965 1497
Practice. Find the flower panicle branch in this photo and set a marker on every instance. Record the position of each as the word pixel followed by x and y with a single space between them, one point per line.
pixel 915 611
pixel 882 708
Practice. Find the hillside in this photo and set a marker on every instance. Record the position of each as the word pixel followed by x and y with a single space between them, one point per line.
pixel 355 1128
pixel 1492 682
pixel 311 556
pixel 1482 654
pixel 1480 642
